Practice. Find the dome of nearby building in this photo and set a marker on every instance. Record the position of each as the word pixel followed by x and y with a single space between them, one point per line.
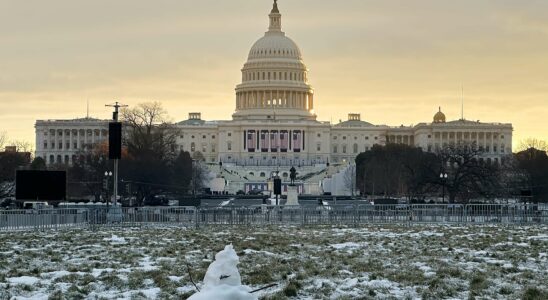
pixel 439 117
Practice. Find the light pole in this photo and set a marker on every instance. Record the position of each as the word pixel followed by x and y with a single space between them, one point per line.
pixel 107 175
pixel 443 177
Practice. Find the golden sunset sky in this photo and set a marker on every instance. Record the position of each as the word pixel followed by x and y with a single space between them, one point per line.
pixel 394 62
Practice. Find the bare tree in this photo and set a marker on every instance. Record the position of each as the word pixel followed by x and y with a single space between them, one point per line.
pixel 349 178
pixel 534 143
pixel 468 173
pixel 3 139
pixel 22 146
pixel 151 143
pixel 149 131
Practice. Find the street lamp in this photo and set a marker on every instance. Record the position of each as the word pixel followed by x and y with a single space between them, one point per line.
pixel 443 177
pixel 107 175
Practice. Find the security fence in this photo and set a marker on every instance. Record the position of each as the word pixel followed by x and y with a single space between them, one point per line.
pixel 31 219
pixel 526 214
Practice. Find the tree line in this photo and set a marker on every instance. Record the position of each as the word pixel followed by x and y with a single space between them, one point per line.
pixel 151 163
pixel 458 171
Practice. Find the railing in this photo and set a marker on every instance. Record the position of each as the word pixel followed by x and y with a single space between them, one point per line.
pixel 31 219
pixel 527 214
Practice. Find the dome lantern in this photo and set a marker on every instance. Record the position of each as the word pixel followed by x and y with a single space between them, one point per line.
pixel 275 19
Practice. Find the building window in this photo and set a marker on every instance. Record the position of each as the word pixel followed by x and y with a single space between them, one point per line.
pixel 192 147
pixel 75 145
pixel 229 146
pixel 335 148
pixel 355 148
pixel 45 145
pixel 344 149
pixel 366 138
pixel 319 147
pixel 67 145
pixel 204 148
pixel 230 134
pixel 319 135
pixel 212 136
pixel 344 137
pixel 60 145
pixel 192 137
pixel 213 148
pixel 203 137
pixel 335 137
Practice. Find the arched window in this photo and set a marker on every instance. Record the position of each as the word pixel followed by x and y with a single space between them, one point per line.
pixel 262 174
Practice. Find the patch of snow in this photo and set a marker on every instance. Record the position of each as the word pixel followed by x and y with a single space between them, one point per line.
pixel 250 251
pixel 115 240
pixel 28 280
pixel 346 245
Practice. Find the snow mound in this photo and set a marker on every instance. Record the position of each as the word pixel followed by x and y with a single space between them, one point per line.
pixel 222 280
pixel 115 239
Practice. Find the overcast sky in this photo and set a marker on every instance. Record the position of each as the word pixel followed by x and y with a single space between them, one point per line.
pixel 394 62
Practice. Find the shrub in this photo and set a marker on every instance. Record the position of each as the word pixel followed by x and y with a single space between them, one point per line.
pixel 533 293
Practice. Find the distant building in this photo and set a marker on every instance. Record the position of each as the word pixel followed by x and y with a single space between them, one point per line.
pixel 60 141
pixel 10 150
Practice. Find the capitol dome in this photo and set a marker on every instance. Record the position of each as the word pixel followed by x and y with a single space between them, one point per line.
pixel 274 78
pixel 275 46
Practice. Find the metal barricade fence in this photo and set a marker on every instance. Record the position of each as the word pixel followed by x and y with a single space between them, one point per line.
pixel 14 220
pixel 341 214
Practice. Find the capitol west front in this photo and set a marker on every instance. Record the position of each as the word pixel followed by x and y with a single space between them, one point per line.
pixel 274 127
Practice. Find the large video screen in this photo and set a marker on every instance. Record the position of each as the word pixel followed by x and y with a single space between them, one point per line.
pixel 40 185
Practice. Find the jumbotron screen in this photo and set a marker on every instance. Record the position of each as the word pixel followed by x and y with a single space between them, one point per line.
pixel 40 185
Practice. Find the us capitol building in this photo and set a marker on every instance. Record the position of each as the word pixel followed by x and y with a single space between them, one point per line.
pixel 274 127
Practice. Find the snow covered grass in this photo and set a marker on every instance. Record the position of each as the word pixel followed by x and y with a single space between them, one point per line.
pixel 430 262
